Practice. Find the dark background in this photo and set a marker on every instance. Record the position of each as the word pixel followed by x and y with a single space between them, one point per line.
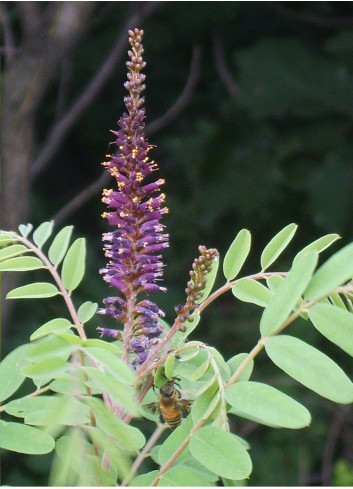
pixel 250 105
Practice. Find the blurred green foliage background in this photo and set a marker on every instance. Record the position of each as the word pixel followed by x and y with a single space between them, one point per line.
pixel 264 139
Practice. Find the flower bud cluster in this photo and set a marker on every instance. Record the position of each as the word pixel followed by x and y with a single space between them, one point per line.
pixel 135 211
pixel 201 267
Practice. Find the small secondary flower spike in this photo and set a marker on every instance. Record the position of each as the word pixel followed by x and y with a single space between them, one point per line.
pixel 136 209
pixel 201 267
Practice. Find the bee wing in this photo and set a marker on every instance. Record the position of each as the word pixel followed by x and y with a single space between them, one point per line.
pixel 184 406
pixel 152 406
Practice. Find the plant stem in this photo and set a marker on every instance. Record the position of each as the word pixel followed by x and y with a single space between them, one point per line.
pixel 57 278
pixel 151 442
pixel 178 452
pixel 254 352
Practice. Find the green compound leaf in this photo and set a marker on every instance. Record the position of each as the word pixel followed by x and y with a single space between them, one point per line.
pixel 112 363
pixel 173 442
pixel 64 385
pixel 119 458
pixel 188 461
pixel 334 272
pixel 144 480
pixel 169 366
pixel 37 290
pixel 86 311
pixel 97 343
pixel 181 476
pixel 27 405
pixel 310 367
pixel 154 454
pixel 21 264
pixel 6 238
pixel 210 383
pixel 288 293
pixel 67 411
pixel 50 367
pixel 237 254
pixel 249 290
pixel 338 301
pixel 277 244
pixel 74 264
pixel 190 362
pixel 273 282
pixel 335 324
pixel 53 326
pixel 210 280
pixel 207 405
pixel 186 356
pixel 127 437
pixel 42 233
pixel 11 376
pixel 159 377
pixel 50 346
pixel 318 245
pixel 235 362
pixel 50 410
pixel 266 405
pixel 122 393
pixel 200 371
pixel 60 245
pixel 11 251
pixel 25 229
pixel 69 338
pixel 72 450
pixel 25 439
pixel 220 452
pixel 221 363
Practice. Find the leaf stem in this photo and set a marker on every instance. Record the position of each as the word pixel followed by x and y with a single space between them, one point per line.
pixel 177 453
pixel 35 393
pixel 221 387
pixel 254 352
pixel 144 452
pixel 57 278
pixel 229 285
pixel 146 366
pixel 305 306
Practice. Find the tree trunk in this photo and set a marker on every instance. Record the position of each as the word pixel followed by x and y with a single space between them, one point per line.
pixel 49 32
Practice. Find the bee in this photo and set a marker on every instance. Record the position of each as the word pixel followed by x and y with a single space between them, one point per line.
pixel 170 405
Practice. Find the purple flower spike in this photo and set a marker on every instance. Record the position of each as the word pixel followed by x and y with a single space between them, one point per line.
pixel 135 210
